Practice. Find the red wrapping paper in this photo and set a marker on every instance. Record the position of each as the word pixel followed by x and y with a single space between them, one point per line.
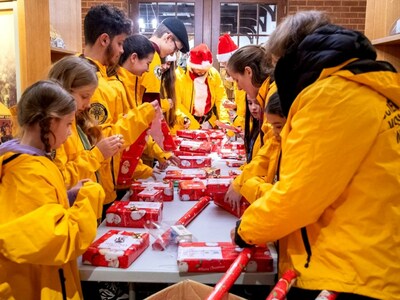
pixel 129 161
pixel 283 286
pixel 195 146
pixel 193 162
pixel 169 143
pixel 327 295
pixel 191 190
pixel 230 276
pixel 193 134
pixel 189 216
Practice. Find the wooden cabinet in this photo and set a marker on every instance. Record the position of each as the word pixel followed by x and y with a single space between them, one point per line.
pixel 380 17
pixel 66 19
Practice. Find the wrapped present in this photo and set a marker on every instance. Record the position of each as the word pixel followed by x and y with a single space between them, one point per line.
pixel 150 195
pixel 179 233
pixel 193 134
pixel 161 242
pixel 212 172
pixel 192 162
pixel 215 134
pixel 133 214
pixel 231 153
pixel 235 163
pixel 217 185
pixel 185 174
pixel 195 146
pixel 166 187
pixel 117 249
pixel 234 145
pixel 218 257
pixel 187 153
pixel 190 190
pixel 129 161
pixel 219 199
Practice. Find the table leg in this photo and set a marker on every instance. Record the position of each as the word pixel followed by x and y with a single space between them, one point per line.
pixel 132 293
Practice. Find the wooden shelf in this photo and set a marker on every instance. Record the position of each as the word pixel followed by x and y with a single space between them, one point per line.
pixel 58 53
pixel 388 40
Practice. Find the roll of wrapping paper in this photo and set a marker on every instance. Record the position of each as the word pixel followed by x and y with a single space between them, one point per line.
pixel 162 242
pixel 230 276
pixel 327 295
pixel 283 286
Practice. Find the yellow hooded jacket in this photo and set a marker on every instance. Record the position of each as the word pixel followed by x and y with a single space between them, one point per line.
pixel 342 185
pixel 185 96
pixel 41 235
pixel 106 104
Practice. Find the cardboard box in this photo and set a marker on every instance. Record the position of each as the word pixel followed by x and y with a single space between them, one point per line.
pixel 188 290
pixel 217 257
pixel 192 162
pixel 191 190
pixel 133 214
pixel 116 249
pixel 166 187
pixel 185 174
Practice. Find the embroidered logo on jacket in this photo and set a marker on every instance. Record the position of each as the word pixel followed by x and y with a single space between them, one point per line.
pixel 98 112
pixel 158 72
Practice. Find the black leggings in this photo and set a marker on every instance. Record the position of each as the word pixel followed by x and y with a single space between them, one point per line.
pixel 300 294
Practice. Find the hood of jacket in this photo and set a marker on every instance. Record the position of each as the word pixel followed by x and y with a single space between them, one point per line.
pixel 327 47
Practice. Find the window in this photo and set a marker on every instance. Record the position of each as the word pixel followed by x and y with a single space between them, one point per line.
pixel 248 23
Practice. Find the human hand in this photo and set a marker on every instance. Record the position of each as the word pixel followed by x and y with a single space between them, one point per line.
pixel 229 104
pixel 155 105
pixel 233 198
pixel 73 192
pixel 110 146
pixel 174 160
pixel 186 123
pixel 162 165
pixel 171 103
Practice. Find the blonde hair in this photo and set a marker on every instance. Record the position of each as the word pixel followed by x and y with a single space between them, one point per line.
pixel 75 72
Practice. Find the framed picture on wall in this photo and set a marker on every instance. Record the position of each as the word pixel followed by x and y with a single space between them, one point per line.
pixel 9 58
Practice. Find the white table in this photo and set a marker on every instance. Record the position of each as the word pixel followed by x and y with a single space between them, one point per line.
pixel 212 225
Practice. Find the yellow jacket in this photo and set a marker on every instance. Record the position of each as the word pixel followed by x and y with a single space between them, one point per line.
pixel 106 106
pixel 75 162
pixel 258 166
pixel 185 93
pixel 131 84
pixel 241 104
pixel 345 190
pixel 41 236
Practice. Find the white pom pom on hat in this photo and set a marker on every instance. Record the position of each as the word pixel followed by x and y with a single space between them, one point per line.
pixel 226 47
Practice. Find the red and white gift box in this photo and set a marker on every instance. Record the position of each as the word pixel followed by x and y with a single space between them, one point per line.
pixel 218 257
pixel 215 134
pixel 167 189
pixel 150 195
pixel 185 174
pixel 187 153
pixel 231 153
pixel 195 146
pixel 192 162
pixel 235 163
pixel 217 186
pixel 234 145
pixel 117 249
pixel 193 134
pixel 219 200
pixel 190 190
pixel 133 214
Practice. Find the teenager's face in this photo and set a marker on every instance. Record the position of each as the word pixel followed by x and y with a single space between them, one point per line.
pixel 82 97
pixel 139 66
pixel 254 108
pixel 115 49
pixel 61 128
pixel 277 122
pixel 244 81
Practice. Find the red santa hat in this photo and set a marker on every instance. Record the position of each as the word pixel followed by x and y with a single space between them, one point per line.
pixel 200 57
pixel 226 47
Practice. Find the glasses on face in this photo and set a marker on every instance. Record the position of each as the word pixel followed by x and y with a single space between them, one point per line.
pixel 177 48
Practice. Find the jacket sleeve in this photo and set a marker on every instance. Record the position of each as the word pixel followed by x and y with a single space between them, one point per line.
pixel 61 234
pixel 314 172
pixel 153 150
pixel 219 96
pixel 142 171
pixel 83 165
pixel 240 100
